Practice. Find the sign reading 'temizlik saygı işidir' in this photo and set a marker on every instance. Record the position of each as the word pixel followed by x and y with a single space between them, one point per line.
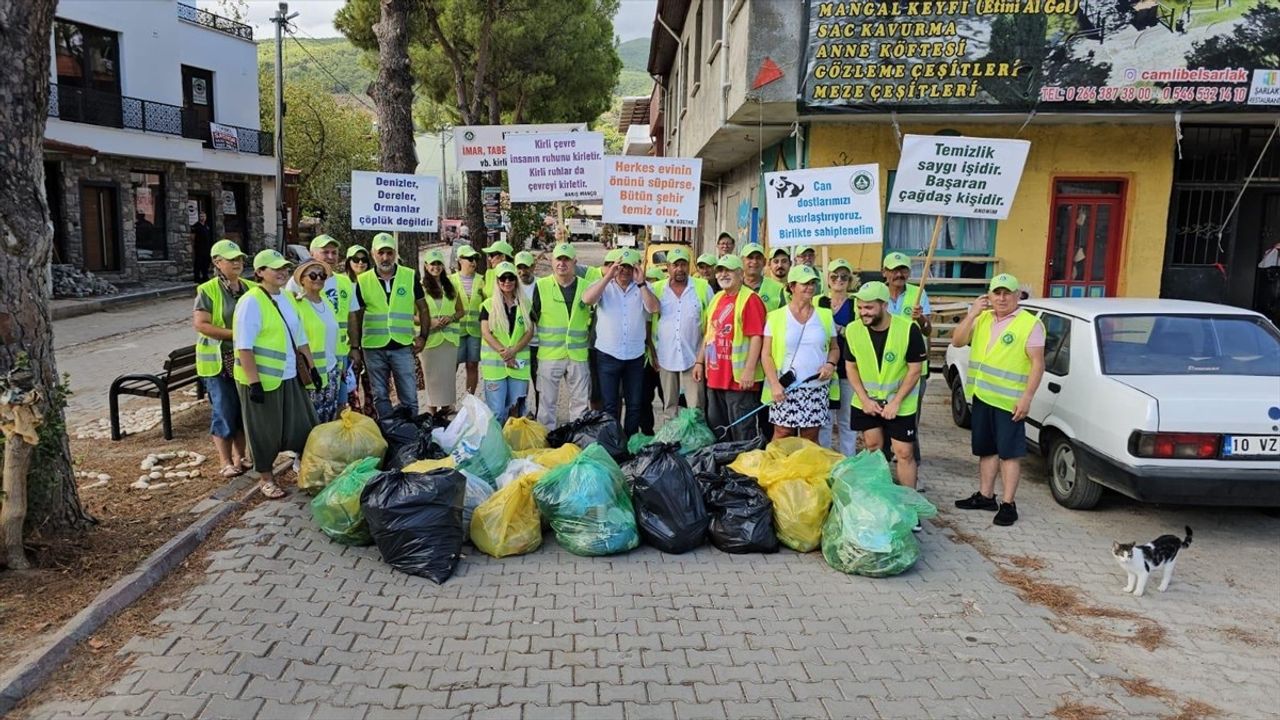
pixel 824 206
pixel 958 176
pixel 394 201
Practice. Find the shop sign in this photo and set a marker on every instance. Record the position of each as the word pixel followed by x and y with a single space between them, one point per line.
pixel 491 199
pixel 824 206
pixel 223 137
pixel 957 176
pixel 483 147
pixel 652 191
pixel 555 166
pixel 394 201
pixel 1046 55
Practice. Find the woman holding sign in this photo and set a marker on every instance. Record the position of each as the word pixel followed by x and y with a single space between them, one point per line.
pixel 799 360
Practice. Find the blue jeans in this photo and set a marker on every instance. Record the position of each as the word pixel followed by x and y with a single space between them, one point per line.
pixel 224 404
pixel 622 381
pixel 502 395
pixel 399 364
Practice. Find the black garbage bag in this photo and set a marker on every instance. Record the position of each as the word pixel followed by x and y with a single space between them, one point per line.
pixel 409 438
pixel 668 500
pixel 741 513
pixel 713 457
pixel 416 520
pixel 597 426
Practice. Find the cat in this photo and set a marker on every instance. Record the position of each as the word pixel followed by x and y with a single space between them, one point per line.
pixel 1139 560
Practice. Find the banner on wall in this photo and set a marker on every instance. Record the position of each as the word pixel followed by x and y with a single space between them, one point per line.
pixel 824 206
pixel 483 147
pixel 958 176
pixel 652 191
pixel 1050 55
pixel 394 201
pixel 555 166
pixel 223 137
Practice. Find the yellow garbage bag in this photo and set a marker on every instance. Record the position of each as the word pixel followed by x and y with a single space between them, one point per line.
pixel 793 472
pixel 508 523
pixel 425 466
pixel 332 446
pixel 521 433
pixel 749 462
pixel 553 457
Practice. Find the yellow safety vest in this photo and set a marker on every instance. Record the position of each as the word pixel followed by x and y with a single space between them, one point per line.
pixel 346 290
pixel 314 327
pixel 492 367
pixel 385 322
pixel 772 293
pixel 741 343
pixel 883 378
pixel 470 303
pixel 271 346
pixel 562 331
pixel 999 377
pixel 208 350
pixel 445 307
pixel 777 322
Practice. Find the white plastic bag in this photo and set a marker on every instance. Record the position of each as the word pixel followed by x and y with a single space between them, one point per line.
pixel 474 440
pixel 516 468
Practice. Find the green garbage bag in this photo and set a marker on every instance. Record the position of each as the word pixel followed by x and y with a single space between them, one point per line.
pixel 336 509
pixel 868 531
pixel 638 442
pixel 588 504
pixel 689 428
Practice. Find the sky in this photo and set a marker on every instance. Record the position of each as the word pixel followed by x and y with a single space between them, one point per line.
pixel 315 17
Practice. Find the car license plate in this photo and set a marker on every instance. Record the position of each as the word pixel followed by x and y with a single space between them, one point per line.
pixel 1250 446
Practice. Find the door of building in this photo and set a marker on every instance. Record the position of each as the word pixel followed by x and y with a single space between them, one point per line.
pixel 197 103
pixel 1085 238
pixel 100 226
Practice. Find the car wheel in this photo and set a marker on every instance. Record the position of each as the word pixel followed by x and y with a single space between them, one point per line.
pixel 960 413
pixel 1067 481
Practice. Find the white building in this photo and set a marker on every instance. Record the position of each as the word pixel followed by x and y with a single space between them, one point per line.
pixel 153 123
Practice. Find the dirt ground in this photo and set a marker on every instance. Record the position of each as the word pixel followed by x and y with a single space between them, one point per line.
pixel 70 572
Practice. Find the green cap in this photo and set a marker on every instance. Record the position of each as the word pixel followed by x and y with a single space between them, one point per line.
pixel 896 260
pixel 504 268
pixel 1005 281
pixel 778 251
pixel 801 249
pixel 655 273
pixel 227 250
pixel 356 249
pixel 384 240
pixel 678 254
pixel 613 255
pixel 466 251
pixel 629 257
pixel 839 264
pixel 751 248
pixel 323 241
pixel 707 259
pixel 269 259
pixel 524 257
pixel 565 250
pixel 502 246
pixel 874 290
pixel 802 274
pixel 733 262
pixel 434 255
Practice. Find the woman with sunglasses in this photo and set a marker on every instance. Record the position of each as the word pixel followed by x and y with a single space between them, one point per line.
pixel 359 392
pixel 321 326
pixel 440 353
pixel 506 330
pixel 470 286
pixel 839 300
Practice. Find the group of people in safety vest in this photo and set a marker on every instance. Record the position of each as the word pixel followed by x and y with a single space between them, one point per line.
pixel 733 334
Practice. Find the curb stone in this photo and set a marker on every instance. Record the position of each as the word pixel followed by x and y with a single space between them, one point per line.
pixel 88 307
pixel 32 670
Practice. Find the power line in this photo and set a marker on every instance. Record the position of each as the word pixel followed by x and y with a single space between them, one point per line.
pixel 333 77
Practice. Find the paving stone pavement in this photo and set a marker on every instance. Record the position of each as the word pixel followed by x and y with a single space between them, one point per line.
pixel 288 624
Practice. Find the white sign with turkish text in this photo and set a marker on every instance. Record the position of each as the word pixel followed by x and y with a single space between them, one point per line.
pixel 958 176
pixel 652 191
pixel 483 147
pixel 824 206
pixel 555 166
pixel 223 137
pixel 394 201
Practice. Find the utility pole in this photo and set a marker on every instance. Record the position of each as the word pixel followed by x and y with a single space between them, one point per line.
pixel 281 19
pixel 444 184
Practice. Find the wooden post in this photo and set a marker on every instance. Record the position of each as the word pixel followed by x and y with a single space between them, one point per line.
pixel 928 260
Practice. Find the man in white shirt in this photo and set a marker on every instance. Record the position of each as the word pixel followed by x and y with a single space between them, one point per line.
pixel 678 332
pixel 623 304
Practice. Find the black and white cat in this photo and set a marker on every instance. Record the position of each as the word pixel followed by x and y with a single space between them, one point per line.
pixel 1139 560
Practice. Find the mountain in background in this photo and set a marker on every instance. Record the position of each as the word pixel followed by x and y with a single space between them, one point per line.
pixel 634 78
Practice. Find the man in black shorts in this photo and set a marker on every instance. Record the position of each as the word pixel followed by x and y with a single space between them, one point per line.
pixel 883 355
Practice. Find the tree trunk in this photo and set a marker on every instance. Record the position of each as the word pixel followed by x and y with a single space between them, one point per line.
pixel 13 513
pixel 475 210
pixel 26 243
pixel 393 97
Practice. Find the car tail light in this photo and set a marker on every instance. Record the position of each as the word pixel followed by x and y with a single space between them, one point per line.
pixel 1173 446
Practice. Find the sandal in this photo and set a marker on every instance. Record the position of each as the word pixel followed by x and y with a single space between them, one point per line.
pixel 246 463
pixel 230 471
pixel 271 491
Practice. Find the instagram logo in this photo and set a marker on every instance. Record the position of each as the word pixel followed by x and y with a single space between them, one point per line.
pixel 1130 74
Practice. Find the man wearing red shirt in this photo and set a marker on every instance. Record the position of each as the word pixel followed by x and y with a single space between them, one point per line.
pixel 729 358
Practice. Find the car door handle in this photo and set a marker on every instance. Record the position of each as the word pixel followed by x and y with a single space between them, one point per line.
pixel 1055 387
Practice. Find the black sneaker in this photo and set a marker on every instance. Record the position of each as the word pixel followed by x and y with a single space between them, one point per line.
pixel 1007 514
pixel 917 528
pixel 977 501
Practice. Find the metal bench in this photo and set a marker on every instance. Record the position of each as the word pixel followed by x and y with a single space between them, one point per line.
pixel 179 372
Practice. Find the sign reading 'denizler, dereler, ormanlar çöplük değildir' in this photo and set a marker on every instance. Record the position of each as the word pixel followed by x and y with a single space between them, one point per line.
pixel 394 201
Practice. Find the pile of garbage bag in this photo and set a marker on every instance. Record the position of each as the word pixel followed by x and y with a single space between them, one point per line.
pixel 415 519
pixel 588 504
pixel 474 439
pixel 667 499
pixel 868 531
pixel 336 509
pixel 713 457
pixel 508 523
pixel 689 429
pixel 596 427
pixel 793 471
pixel 332 446
pixel 740 511
pixel 522 433
pixel 409 438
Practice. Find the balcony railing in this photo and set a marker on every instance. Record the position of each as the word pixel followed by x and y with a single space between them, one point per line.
pixel 204 18
pixel 95 107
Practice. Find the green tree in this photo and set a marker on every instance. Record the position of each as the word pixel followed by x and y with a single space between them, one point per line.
pixel 1023 39
pixel 1254 43
pixel 607 124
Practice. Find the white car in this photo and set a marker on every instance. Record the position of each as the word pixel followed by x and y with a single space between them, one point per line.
pixel 1160 400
